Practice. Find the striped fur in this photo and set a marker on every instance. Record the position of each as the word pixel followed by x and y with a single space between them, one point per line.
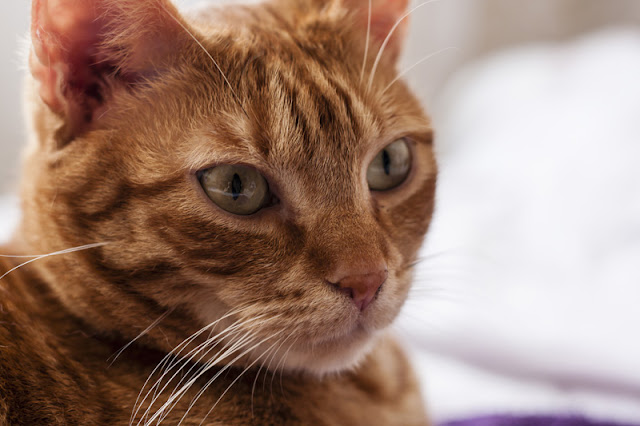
pixel 290 103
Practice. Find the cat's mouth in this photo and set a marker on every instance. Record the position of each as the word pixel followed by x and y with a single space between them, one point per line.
pixel 345 343
pixel 326 331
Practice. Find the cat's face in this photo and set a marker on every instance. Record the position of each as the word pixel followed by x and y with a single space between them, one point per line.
pixel 247 196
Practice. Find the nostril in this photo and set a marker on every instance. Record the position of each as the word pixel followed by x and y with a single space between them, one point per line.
pixel 344 290
pixel 362 288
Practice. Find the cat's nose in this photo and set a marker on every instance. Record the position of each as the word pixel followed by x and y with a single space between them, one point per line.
pixel 362 287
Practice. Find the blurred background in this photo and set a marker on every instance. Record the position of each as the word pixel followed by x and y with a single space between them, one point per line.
pixel 527 300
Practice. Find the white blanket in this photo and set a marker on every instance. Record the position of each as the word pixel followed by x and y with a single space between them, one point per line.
pixel 530 290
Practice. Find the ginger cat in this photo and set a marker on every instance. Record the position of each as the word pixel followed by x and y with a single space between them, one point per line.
pixel 232 201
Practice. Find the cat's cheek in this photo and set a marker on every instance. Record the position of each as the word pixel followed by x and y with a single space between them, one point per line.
pixel 410 220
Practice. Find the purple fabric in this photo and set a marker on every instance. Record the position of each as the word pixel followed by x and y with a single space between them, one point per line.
pixel 531 421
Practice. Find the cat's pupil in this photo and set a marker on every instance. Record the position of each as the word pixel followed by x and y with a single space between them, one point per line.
pixel 236 186
pixel 386 162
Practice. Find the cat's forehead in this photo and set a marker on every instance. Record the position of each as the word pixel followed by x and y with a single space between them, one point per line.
pixel 293 100
pixel 300 75
pixel 286 93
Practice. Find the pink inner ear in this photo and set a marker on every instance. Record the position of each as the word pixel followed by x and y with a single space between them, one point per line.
pixel 83 50
pixel 64 35
pixel 384 16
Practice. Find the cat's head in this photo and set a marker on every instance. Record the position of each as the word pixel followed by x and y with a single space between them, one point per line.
pixel 257 164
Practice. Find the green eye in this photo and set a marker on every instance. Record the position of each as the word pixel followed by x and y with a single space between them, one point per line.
pixel 390 167
pixel 237 189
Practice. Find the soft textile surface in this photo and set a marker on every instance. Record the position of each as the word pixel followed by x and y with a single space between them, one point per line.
pixel 529 421
pixel 527 300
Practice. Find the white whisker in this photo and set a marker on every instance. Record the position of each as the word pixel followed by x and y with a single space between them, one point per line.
pixel 280 365
pixel 210 344
pixel 145 331
pixel 388 38
pixel 241 374
pixel 158 388
pixel 282 358
pixel 246 339
pixel 255 380
pixel 429 56
pixel 175 352
pixel 270 357
pixel 228 364
pixel 231 330
pixel 209 364
pixel 273 357
pixel 177 394
pixel 42 256
pixel 366 44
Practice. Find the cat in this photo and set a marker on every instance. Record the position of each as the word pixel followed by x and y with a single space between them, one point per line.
pixel 229 203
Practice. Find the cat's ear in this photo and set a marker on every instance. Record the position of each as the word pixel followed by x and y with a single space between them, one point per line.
pixel 82 49
pixel 385 14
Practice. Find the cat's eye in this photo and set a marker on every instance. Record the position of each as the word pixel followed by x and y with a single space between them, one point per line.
pixel 237 189
pixel 390 167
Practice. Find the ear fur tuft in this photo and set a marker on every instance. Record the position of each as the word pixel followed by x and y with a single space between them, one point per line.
pixel 81 47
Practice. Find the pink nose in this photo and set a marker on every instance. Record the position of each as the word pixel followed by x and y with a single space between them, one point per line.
pixel 363 288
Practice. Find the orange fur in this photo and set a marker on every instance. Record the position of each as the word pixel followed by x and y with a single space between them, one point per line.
pixel 113 160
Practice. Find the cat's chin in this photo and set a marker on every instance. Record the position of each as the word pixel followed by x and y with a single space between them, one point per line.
pixel 331 357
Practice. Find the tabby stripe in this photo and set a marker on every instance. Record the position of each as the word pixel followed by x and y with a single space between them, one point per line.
pixel 114 204
pixel 199 253
pixel 298 114
pixel 343 96
pixel 332 102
